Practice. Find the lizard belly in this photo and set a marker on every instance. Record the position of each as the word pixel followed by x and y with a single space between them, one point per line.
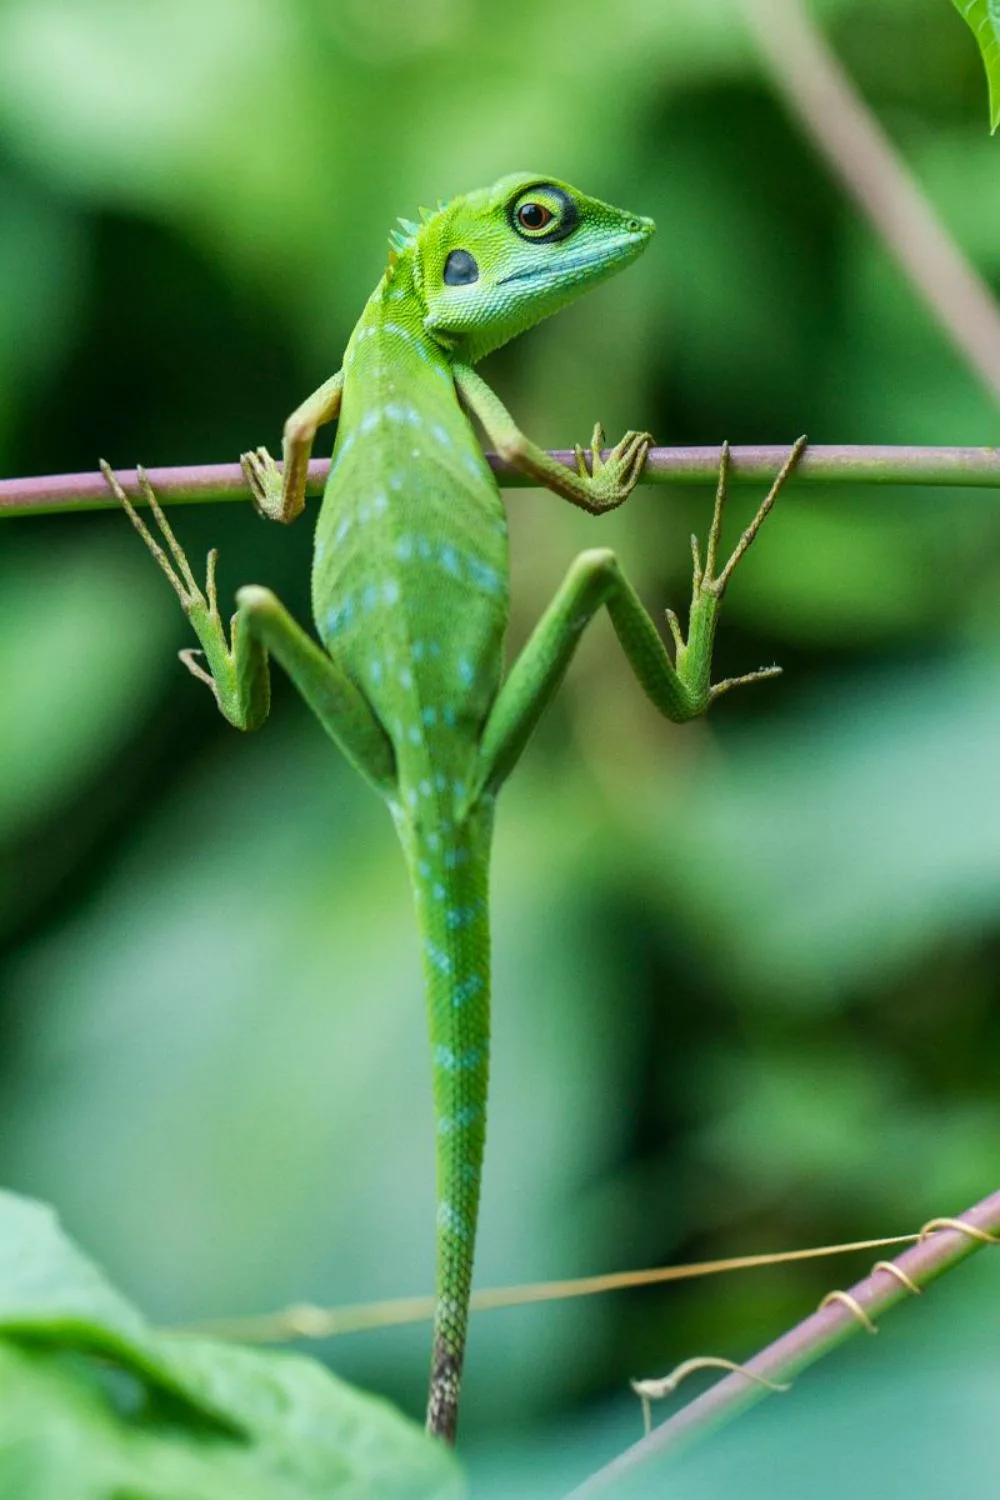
pixel 410 590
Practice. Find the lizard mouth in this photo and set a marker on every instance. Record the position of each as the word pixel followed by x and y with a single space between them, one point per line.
pixel 618 251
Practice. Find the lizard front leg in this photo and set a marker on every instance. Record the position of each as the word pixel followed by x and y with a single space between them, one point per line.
pixel 280 494
pixel 236 670
pixel 610 481
pixel 681 689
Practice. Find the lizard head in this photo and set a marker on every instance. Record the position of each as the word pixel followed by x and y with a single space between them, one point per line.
pixel 492 263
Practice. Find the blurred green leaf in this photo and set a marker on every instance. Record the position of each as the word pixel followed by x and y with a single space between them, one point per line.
pixel 52 1294
pixel 847 836
pixel 247 1426
pixel 84 646
pixel 983 17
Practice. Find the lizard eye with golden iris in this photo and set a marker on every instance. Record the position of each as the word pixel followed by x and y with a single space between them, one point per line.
pixel 534 216
pixel 543 212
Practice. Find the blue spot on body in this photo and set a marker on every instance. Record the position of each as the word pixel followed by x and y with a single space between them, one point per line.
pixel 342 448
pixel 485 577
pixel 390 591
pixel 467 990
pixel 339 616
pixel 460 1120
pixel 406 678
pixel 460 916
pixel 465 672
pixel 370 596
pixel 449 1219
pixel 455 1062
pixel 429 714
pixel 449 560
pixel 438 957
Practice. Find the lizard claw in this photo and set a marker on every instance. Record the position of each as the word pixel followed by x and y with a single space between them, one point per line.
pixel 597 442
pixel 613 479
pixel 264 478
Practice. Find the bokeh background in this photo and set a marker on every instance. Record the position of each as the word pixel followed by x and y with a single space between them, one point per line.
pixel 746 971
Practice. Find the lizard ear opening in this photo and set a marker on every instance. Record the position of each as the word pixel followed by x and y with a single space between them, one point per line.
pixel 460 269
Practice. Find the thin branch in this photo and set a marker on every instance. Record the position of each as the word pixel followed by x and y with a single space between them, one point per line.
pixel 839 122
pixel 305 1321
pixel 832 464
pixel 835 1321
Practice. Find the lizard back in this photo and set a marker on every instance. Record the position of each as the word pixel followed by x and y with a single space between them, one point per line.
pixel 410 591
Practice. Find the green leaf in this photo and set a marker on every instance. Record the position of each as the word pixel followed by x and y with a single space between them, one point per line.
pixel 983 17
pixel 51 1293
pixel 160 1417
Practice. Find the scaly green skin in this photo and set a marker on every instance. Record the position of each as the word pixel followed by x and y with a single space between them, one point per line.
pixel 410 597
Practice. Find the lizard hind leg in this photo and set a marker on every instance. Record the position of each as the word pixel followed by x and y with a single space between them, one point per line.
pixel 681 688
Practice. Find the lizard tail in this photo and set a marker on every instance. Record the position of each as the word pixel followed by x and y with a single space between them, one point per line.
pixel 452 880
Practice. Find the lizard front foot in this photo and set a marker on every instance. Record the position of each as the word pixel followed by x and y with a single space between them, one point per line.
pixel 265 481
pixel 611 480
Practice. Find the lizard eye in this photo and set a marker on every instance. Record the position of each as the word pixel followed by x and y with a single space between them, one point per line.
pixel 544 212
pixel 534 216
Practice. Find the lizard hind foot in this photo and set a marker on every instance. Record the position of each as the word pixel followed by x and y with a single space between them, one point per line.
pixel 176 566
pixel 717 581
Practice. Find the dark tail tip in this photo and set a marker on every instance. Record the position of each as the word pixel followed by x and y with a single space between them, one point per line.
pixel 442 1402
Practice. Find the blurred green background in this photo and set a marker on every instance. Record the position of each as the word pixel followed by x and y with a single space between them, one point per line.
pixel 746 972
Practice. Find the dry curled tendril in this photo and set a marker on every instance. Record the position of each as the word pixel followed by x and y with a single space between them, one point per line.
pixel 655 1390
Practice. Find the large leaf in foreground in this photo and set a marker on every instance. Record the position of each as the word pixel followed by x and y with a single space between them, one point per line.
pixel 983 17
pixel 95 1404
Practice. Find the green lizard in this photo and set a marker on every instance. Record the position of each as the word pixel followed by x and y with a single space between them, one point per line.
pixel 410 596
